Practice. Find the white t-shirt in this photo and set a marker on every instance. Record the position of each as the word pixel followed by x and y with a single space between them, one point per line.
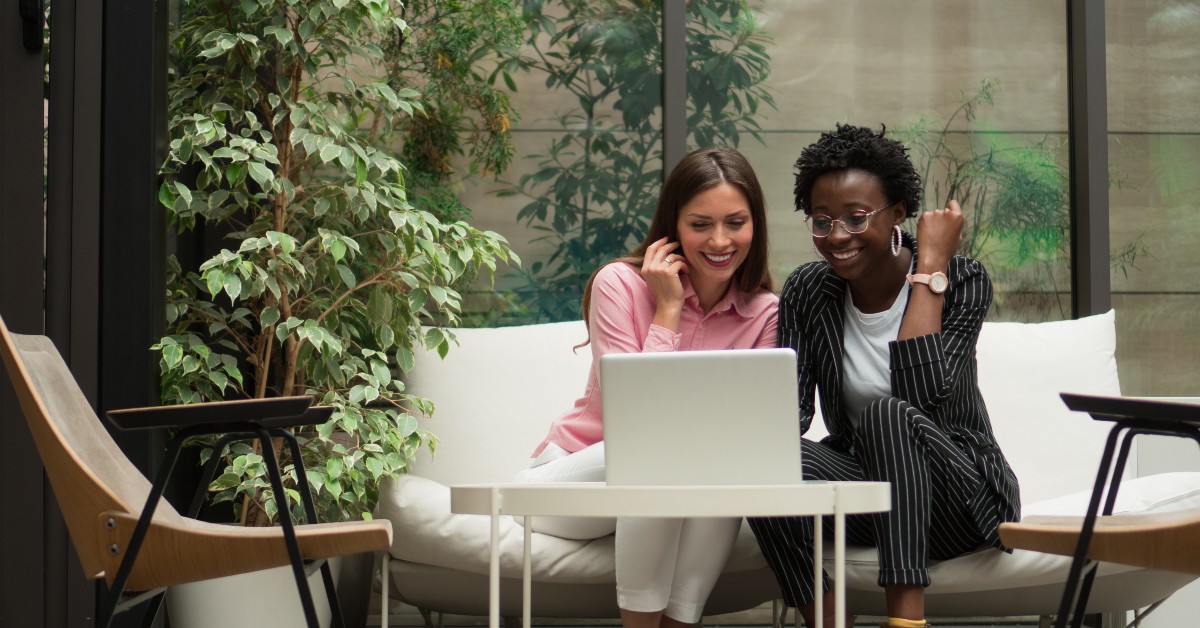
pixel 866 365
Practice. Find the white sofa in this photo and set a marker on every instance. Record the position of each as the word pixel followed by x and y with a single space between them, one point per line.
pixel 497 392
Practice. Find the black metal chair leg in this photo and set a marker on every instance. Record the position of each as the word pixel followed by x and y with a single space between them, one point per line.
pixel 1079 585
pixel 304 488
pixel 153 607
pixel 1066 606
pixel 1085 590
pixel 109 606
pixel 310 512
pixel 1118 470
pixel 210 469
pixel 1092 568
pixel 109 601
pixel 1112 473
pixel 1116 474
pixel 289 530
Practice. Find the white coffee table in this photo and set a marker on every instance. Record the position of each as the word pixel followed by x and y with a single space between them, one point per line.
pixel 596 499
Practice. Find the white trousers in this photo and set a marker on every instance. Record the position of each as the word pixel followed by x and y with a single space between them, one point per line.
pixel 556 464
pixel 667 565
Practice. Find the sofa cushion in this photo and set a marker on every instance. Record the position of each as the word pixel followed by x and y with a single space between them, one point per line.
pixel 992 569
pixel 427 532
pixel 992 582
pixel 1165 492
pixel 496 394
pixel 1022 369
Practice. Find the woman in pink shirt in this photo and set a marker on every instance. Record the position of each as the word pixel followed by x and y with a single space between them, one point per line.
pixel 698 281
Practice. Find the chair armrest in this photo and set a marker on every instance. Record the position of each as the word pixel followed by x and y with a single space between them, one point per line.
pixel 1152 540
pixel 1104 408
pixel 224 416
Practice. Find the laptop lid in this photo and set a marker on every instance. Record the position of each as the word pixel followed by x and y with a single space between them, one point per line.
pixel 701 417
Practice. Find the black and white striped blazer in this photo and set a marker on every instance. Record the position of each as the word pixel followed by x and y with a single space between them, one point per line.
pixel 936 372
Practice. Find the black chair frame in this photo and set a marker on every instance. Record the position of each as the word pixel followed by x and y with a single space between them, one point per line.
pixel 1133 417
pixel 278 417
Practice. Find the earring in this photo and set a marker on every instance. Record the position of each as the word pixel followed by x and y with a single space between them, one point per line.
pixel 817 252
pixel 897 241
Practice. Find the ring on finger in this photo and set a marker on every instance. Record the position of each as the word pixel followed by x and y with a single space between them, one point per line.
pixel 667 259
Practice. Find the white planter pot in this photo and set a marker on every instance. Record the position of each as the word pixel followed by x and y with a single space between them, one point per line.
pixel 262 599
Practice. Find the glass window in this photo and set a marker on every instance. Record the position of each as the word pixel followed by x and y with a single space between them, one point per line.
pixel 1154 154
pixel 978 90
pixel 589 148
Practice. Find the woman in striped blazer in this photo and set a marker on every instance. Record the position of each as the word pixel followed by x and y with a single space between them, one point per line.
pixel 888 337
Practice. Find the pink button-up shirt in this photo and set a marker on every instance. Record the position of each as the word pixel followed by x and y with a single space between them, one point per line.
pixel 622 311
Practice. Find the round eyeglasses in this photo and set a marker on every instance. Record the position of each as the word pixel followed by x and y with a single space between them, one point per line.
pixel 822 225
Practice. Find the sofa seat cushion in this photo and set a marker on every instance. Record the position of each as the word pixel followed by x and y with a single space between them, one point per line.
pixel 996 572
pixel 992 569
pixel 426 532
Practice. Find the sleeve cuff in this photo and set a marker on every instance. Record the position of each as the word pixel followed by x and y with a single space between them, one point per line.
pixel 914 352
pixel 661 339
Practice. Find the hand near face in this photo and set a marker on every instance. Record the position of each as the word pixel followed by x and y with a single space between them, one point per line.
pixel 939 232
pixel 660 269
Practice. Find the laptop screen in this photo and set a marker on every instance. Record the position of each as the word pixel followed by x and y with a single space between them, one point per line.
pixel 701 417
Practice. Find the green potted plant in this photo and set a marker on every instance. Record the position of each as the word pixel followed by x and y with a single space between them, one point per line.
pixel 594 188
pixel 1015 197
pixel 328 277
pixel 464 130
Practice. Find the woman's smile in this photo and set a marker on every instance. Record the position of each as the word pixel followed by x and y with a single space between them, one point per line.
pixel 845 255
pixel 719 260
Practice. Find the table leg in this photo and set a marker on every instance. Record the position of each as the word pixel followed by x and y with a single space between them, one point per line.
pixel 839 564
pixel 494 564
pixel 526 577
pixel 818 573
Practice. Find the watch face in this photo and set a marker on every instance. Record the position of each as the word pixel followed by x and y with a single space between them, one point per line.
pixel 938 282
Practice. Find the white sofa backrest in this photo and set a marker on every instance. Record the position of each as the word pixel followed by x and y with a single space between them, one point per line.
pixel 497 393
pixel 1022 369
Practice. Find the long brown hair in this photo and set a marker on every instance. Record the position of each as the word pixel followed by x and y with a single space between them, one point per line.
pixel 698 171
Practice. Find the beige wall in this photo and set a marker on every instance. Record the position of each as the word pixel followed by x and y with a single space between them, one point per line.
pixel 880 61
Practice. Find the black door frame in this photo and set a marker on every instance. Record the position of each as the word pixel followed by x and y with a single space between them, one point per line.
pixel 100 296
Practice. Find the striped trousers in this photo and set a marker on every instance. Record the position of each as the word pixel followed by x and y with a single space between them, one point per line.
pixel 938 500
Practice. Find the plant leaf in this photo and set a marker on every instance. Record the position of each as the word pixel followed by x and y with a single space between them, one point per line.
pixel 269 316
pixel 260 173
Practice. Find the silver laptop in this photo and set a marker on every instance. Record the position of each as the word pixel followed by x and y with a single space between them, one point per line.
pixel 701 417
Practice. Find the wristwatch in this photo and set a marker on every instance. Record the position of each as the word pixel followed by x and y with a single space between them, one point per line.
pixel 937 282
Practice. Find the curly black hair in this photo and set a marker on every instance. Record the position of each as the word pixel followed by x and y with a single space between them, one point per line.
pixel 857 147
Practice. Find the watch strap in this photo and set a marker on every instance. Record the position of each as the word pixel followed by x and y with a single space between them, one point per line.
pixel 928 280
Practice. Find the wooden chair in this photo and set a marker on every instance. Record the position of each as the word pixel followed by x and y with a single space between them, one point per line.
pixel 122 530
pixel 1168 541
